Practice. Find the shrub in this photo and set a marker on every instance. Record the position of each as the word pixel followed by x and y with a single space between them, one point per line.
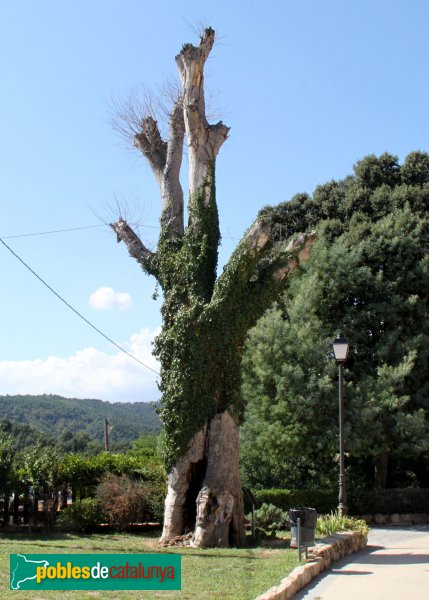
pixel 334 522
pixel 360 502
pixel 82 516
pixel 388 502
pixel 156 497
pixel 271 518
pixel 83 472
pixel 129 501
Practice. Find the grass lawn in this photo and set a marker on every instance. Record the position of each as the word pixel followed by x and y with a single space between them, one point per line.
pixel 206 574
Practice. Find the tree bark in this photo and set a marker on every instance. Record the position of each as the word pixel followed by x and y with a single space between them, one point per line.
pixel 204 140
pixel 220 510
pixel 165 159
pixel 204 490
pixel 182 479
pixel 135 246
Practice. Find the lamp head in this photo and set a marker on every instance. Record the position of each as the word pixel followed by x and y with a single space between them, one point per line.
pixel 341 348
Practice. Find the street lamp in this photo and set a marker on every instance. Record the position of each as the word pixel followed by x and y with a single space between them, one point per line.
pixel 341 351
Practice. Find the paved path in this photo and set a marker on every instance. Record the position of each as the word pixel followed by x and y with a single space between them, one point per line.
pixel 394 566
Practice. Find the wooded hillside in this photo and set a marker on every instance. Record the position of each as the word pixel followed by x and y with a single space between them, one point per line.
pixel 72 418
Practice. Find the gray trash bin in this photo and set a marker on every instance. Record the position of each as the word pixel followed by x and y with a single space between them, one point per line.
pixel 308 518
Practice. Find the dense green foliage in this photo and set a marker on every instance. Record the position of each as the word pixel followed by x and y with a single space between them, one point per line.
pixel 82 516
pixel 84 472
pixel 187 268
pixel 7 456
pixel 24 436
pixel 146 446
pixel 205 320
pixel 72 424
pixel 368 278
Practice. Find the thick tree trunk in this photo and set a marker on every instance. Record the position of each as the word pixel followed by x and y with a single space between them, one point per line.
pixel 204 491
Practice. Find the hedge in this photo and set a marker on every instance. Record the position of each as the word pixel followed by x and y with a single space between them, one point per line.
pixel 408 500
pixel 324 501
pixel 388 502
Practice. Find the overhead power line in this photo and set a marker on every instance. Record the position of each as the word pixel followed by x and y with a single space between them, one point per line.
pixel 36 233
pixel 76 311
pixel 9 237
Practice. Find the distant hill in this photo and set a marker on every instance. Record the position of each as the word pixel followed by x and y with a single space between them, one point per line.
pixel 55 416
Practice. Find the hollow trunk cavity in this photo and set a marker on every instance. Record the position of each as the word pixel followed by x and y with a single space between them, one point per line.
pixel 204 491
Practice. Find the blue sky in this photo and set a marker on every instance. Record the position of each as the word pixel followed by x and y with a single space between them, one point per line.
pixel 307 87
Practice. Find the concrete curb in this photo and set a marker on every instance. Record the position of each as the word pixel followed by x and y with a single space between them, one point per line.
pixel 332 548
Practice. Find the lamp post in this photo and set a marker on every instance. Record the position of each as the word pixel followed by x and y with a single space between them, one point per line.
pixel 341 351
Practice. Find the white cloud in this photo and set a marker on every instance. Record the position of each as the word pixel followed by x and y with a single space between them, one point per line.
pixel 105 298
pixel 88 374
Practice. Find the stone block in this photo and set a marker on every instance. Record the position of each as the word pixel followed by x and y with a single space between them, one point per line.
pixel 406 518
pixel 419 518
pixel 367 518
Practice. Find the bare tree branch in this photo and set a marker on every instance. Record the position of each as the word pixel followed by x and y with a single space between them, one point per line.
pixel 171 189
pixel 135 246
pixel 137 120
pixel 128 114
pixel 152 146
pixel 190 63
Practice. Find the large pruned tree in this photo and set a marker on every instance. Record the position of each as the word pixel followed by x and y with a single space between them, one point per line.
pixel 205 317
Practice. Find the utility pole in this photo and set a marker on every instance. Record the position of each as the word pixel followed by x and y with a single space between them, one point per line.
pixel 106 435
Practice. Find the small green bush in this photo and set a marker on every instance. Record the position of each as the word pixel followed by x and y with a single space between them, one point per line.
pixel 270 518
pixel 82 516
pixel 334 522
